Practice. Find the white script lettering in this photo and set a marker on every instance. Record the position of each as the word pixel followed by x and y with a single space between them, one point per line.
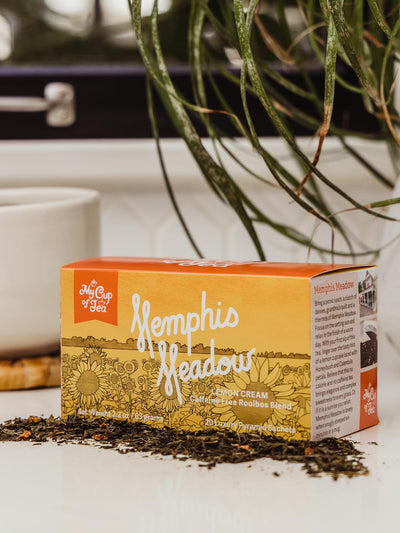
pixel 185 325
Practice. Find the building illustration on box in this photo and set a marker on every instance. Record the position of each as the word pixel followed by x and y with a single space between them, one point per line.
pixel 367 293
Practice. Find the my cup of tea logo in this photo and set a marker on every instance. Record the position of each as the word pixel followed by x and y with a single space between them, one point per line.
pixel 368 398
pixel 96 296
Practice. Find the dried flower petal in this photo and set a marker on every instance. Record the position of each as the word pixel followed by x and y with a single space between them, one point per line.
pixel 100 437
pixel 34 419
pixel 25 435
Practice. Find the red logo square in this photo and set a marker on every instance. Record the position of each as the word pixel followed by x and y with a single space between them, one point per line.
pixel 96 296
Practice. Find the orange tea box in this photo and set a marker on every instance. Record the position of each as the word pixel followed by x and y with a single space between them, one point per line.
pixel 283 349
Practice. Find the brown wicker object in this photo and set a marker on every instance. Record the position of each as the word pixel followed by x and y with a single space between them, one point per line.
pixel 30 373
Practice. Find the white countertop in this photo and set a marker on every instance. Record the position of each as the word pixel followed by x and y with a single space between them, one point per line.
pixel 72 488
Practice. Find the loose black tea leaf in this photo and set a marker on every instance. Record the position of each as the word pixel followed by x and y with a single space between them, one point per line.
pixel 210 447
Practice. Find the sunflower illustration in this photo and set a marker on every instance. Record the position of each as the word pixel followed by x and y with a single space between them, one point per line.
pixel 88 384
pixel 301 379
pixel 130 366
pixel 68 407
pixel 206 385
pixel 65 365
pixel 268 382
pixel 119 367
pixel 187 419
pixel 164 399
pixel 114 379
pixel 95 354
pixel 129 385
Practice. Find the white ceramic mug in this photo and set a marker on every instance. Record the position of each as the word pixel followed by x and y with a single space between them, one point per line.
pixel 41 229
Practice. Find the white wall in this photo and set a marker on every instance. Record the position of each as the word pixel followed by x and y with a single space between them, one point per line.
pixel 137 216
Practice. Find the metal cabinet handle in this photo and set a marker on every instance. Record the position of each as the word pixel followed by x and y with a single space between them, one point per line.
pixel 58 102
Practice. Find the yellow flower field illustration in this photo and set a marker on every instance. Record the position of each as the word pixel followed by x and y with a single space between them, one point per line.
pixel 275 392
pixel 92 380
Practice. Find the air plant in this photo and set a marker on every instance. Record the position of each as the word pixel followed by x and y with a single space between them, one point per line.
pixel 361 36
